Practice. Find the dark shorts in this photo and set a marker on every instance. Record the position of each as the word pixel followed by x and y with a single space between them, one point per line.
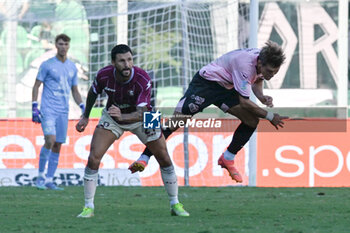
pixel 201 93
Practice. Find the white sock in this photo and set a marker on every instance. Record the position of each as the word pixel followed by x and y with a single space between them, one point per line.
pixel 170 183
pixel 229 156
pixel 90 183
pixel 144 158
pixel 41 174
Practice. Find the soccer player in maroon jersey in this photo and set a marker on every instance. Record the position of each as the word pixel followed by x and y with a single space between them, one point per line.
pixel 129 91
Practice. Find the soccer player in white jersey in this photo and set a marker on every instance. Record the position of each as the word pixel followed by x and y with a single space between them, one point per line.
pixel 227 83
pixel 59 76
pixel 129 94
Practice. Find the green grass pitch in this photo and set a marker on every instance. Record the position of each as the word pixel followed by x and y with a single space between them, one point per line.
pixel 146 209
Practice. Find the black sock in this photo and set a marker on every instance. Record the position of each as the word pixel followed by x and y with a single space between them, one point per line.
pixel 167 132
pixel 240 138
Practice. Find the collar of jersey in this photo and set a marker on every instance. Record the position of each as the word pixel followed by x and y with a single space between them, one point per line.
pixel 60 60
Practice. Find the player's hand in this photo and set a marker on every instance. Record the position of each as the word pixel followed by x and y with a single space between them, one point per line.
pixel 81 125
pixel 277 120
pixel 267 100
pixel 36 115
pixel 114 111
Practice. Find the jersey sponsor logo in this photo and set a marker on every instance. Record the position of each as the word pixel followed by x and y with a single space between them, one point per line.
pixel 59 93
pixel 109 89
pixel 122 106
pixel 151 120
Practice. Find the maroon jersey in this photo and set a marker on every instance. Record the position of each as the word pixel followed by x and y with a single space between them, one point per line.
pixel 126 96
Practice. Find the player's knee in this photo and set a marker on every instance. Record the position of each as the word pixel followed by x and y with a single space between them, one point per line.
pixel 56 147
pixel 49 143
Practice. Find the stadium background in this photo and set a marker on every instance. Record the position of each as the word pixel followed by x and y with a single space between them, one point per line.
pixel 172 40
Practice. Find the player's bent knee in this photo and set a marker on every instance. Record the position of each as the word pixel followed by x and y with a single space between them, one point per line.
pixel 49 144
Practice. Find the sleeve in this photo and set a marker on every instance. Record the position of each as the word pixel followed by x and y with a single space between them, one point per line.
pixel 75 77
pixel 96 85
pixel 42 73
pixel 144 98
pixel 241 83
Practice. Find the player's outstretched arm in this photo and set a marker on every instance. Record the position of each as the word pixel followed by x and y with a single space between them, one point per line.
pixel 275 119
pixel 252 107
pixel 84 120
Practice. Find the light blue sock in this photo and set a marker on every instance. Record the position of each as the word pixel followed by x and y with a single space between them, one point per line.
pixel 229 156
pixel 53 162
pixel 144 158
pixel 44 155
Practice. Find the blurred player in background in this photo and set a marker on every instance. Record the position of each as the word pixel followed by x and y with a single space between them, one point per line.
pixel 129 92
pixel 227 83
pixel 59 76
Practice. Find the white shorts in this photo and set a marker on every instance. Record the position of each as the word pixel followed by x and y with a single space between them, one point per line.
pixel 145 135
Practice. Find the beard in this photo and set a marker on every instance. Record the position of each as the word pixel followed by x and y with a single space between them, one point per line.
pixel 125 73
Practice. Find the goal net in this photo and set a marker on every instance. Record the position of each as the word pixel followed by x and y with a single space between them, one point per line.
pixel 171 40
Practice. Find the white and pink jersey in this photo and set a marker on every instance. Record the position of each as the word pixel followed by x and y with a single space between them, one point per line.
pixel 235 69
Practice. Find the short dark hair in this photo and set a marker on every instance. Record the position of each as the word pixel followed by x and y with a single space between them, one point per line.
pixel 62 36
pixel 120 48
pixel 272 54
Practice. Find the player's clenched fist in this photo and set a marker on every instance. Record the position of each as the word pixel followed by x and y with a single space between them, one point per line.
pixel 114 111
pixel 81 125
pixel 268 101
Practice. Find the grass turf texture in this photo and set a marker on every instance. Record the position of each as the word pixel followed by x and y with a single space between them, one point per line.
pixel 146 209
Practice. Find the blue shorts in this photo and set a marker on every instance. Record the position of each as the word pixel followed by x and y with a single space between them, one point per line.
pixel 55 124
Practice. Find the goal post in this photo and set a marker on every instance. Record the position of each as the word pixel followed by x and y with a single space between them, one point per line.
pixel 253 43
